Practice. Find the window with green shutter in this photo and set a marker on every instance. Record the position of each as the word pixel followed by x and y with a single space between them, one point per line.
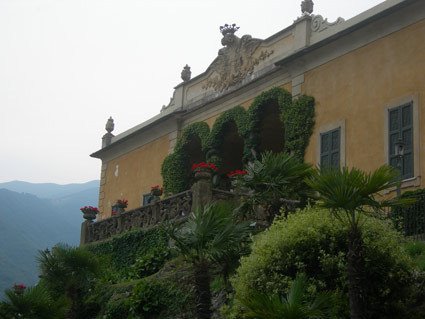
pixel 400 125
pixel 330 148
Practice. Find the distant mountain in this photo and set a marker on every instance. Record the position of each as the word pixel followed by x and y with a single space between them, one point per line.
pixel 29 223
pixel 48 190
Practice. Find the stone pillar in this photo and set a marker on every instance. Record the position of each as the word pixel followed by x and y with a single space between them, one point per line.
pixel 202 189
pixel 85 232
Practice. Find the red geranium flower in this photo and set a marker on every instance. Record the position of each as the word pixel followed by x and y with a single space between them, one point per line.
pixel 197 166
pixel 236 173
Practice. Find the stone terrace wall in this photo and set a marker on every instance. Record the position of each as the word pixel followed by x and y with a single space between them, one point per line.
pixel 175 207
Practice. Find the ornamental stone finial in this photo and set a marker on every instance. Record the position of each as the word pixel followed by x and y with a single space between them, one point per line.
pixel 186 73
pixel 307 7
pixel 109 127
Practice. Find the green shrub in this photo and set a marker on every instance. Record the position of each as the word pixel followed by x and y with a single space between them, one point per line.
pixel 314 243
pixel 416 250
pixel 159 298
pixel 150 262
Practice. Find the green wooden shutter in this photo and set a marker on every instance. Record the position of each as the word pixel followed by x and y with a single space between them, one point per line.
pixel 330 146
pixel 400 124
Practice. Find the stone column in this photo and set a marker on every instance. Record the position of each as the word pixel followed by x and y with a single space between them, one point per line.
pixel 202 189
pixel 85 232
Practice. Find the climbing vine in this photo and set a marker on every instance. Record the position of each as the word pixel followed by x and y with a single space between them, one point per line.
pixel 297 118
pixel 255 114
pixel 176 167
pixel 238 115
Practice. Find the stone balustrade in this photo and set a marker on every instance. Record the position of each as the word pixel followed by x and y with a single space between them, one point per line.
pixel 175 207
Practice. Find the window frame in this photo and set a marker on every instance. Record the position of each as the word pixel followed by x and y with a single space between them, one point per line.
pixel 414 100
pixel 329 128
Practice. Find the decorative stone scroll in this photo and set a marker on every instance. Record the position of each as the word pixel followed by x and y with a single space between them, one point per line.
pixel 236 60
pixel 172 208
pixel 319 24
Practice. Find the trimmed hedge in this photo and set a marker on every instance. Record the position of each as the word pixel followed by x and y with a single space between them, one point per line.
pixel 314 243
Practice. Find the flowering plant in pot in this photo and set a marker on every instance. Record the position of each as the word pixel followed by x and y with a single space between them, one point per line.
pixel 89 212
pixel 19 289
pixel 204 166
pixel 156 190
pixel 122 203
pixel 237 173
pixel 119 207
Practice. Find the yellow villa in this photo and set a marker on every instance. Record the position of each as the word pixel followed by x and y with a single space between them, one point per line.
pixel 339 93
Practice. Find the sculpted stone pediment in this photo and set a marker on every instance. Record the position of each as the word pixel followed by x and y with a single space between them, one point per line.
pixel 236 60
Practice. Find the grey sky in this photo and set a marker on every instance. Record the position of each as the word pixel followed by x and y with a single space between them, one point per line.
pixel 67 65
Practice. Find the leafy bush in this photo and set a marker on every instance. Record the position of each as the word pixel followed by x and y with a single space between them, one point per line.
pixel 158 298
pixel 416 250
pixel 314 243
pixel 150 262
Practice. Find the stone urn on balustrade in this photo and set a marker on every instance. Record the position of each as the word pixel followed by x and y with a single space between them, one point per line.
pixel 89 212
pixel 203 170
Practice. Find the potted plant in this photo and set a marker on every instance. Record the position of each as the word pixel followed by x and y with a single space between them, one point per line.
pixel 119 206
pixel 89 212
pixel 204 170
pixel 156 191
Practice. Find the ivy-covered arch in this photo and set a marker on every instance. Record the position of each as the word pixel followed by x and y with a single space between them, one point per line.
pixel 232 122
pixel 274 101
pixel 296 119
pixel 191 146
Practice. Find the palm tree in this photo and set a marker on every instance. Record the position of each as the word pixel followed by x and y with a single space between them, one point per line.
pixel 209 236
pixel 293 306
pixel 33 302
pixel 274 178
pixel 68 271
pixel 348 194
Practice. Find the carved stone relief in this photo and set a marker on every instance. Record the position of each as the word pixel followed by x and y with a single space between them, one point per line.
pixel 318 23
pixel 236 60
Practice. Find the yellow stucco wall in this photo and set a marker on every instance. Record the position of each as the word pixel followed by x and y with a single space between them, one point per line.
pixel 136 172
pixel 358 86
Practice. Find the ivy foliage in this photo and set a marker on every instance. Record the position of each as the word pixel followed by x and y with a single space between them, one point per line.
pixel 297 117
pixel 176 166
pixel 410 219
pixel 124 251
pixel 256 112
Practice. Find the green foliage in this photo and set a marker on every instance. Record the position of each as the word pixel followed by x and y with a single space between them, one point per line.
pixel 238 115
pixel 210 234
pixel 314 243
pixel 416 250
pixel 273 178
pixel 124 250
pixel 298 121
pixel 150 262
pixel 294 305
pixel 158 299
pixel 67 269
pixel 34 302
pixel 410 219
pixel 346 192
pixel 175 168
pixel 256 112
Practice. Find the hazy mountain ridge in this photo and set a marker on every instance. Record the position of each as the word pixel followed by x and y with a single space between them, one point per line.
pixel 29 223
pixel 48 190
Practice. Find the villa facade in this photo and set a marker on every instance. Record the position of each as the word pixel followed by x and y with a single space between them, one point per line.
pixel 364 78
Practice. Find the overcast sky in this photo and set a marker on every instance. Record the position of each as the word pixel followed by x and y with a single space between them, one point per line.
pixel 67 65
